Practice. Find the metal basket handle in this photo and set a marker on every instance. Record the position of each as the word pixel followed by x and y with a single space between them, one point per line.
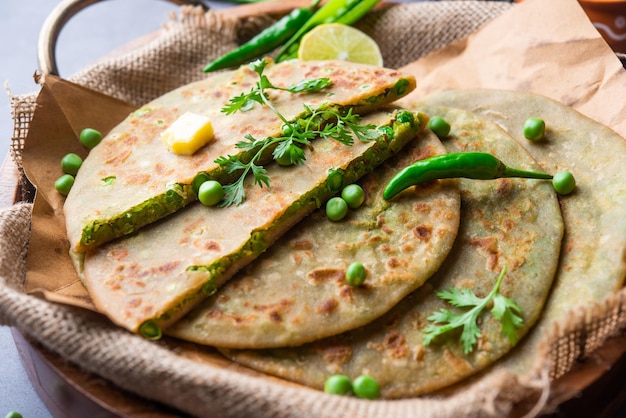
pixel 60 15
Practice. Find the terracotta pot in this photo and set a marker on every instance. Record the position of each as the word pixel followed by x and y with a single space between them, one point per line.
pixel 609 17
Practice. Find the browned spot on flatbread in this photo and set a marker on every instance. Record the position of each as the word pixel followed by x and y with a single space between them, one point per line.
pixel 327 306
pixel 207 245
pixel 461 366
pixel 137 179
pixel 118 254
pixel 117 159
pixel 303 244
pixel 421 207
pixel 396 346
pixel 325 274
pixel 489 246
pixel 504 186
pixel 163 170
pixel 336 354
pixel 275 316
pixel 423 232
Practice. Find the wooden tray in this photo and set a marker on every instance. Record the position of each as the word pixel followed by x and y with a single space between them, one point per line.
pixel 594 388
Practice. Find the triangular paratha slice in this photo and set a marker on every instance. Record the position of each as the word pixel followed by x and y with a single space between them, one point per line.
pixel 130 179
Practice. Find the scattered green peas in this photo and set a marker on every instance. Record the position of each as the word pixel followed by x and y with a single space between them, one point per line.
pixel 64 184
pixel 534 129
pixel 70 163
pixel 354 195
pixel 356 274
pixel 90 138
pixel 564 182
pixel 13 414
pixel 338 384
pixel 210 193
pixel 366 387
pixel 336 209
pixel 439 126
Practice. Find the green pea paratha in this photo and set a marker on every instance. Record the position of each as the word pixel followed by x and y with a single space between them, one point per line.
pixel 150 279
pixel 296 292
pixel 593 261
pixel 130 179
pixel 507 222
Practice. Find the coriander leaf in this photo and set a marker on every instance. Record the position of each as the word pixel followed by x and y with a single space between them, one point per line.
pixel 504 309
pixel 460 298
pixel 260 175
pixel 233 194
pixel 307 86
pixel 242 103
pixel 231 163
pixel 258 66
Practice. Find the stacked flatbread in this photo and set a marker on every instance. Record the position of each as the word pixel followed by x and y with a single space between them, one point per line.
pixel 264 281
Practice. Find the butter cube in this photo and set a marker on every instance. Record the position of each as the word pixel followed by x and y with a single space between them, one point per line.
pixel 188 134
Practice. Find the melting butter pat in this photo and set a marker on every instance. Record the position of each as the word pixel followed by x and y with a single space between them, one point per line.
pixel 188 133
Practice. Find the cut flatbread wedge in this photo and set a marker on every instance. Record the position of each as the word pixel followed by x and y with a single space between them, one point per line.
pixel 130 179
pixel 506 222
pixel 297 291
pixel 146 281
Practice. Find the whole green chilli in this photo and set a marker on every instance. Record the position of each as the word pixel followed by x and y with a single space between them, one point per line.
pixel 266 41
pixel 471 165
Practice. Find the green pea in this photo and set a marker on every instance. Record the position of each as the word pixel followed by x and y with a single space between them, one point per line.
pixel 439 126
pixel 356 274
pixel 284 160
pixel 150 330
pixel 564 182
pixel 210 193
pixel 336 209
pixel 197 182
pixel 64 184
pixel 13 414
pixel 90 138
pixel 338 384
pixel 354 195
pixel 70 163
pixel 405 117
pixel 292 155
pixel 534 129
pixel 366 387
pixel 334 182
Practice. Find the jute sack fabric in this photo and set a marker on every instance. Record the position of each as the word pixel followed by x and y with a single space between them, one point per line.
pixel 154 372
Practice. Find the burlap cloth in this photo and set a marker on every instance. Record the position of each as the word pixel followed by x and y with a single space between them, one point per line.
pixel 154 372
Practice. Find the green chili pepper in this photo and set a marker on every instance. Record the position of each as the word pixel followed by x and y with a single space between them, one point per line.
pixel 266 41
pixel 351 16
pixel 471 165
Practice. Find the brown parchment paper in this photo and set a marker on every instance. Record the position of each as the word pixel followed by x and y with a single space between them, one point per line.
pixel 63 110
pixel 544 47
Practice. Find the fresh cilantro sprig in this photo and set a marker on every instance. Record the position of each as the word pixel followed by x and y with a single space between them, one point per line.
pixel 503 309
pixel 295 135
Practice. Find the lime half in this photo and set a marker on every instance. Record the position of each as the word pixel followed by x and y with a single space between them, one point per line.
pixel 335 41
